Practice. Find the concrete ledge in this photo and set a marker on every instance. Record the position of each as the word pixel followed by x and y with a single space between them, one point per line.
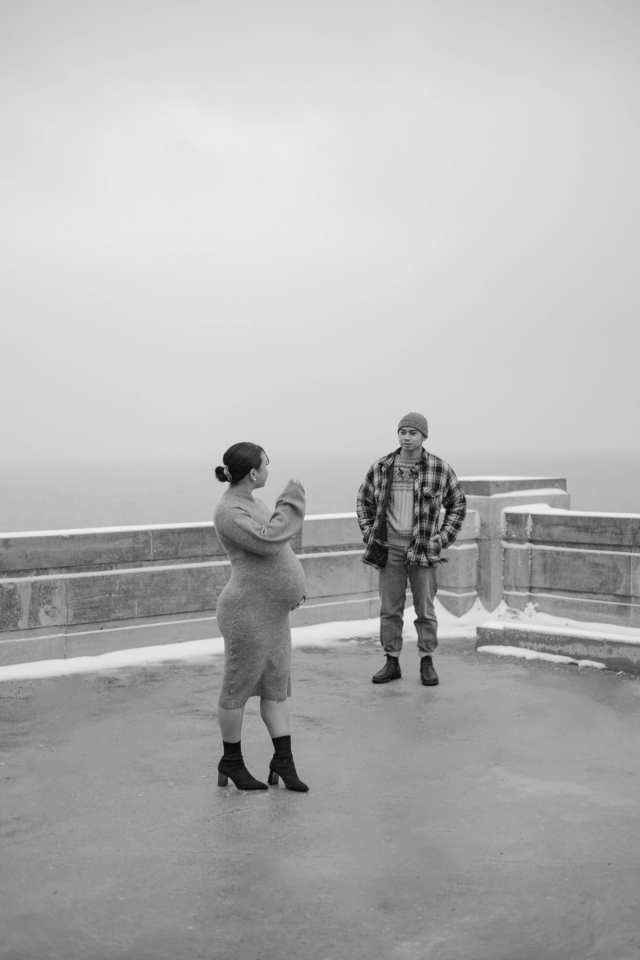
pixel 328 610
pixel 62 550
pixel 574 564
pixel 83 592
pixel 614 650
pixel 571 528
pixel 491 509
pixel 59 551
pixel 492 486
pixel 96 638
pixel 59 643
pixel 601 572
pixel 577 607
pixel 139 593
pixel 330 530
pixel 488 497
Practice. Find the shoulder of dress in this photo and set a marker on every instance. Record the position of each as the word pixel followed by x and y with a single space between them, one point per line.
pixel 230 505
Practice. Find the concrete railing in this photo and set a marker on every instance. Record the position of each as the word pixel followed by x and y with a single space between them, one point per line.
pixel 582 566
pixel 77 592
pixel 585 566
pixel 489 497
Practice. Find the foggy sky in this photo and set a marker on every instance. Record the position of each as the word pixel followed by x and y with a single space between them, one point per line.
pixel 292 222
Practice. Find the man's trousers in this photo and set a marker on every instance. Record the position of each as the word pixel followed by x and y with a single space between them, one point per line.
pixel 393 592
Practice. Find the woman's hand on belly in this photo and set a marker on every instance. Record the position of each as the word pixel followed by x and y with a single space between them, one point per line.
pixel 300 602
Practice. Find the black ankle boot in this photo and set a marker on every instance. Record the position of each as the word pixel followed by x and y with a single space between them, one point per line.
pixel 428 674
pixel 231 767
pixel 282 765
pixel 390 671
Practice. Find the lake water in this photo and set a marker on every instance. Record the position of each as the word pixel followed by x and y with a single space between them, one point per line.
pixel 50 496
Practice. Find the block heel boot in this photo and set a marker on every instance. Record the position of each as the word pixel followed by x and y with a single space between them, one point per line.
pixel 231 767
pixel 282 765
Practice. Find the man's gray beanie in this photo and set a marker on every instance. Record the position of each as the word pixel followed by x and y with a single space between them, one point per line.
pixel 417 421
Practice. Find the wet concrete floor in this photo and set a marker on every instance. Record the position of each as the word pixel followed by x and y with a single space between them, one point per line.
pixel 494 817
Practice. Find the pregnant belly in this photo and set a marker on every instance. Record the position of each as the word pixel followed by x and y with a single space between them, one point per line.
pixel 291 583
pixel 281 581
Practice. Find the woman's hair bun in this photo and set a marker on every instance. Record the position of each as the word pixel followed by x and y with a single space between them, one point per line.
pixel 238 461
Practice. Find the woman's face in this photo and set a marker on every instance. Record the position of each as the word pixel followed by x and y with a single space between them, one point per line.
pixel 262 473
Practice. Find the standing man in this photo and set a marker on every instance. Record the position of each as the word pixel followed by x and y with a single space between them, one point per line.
pixel 398 512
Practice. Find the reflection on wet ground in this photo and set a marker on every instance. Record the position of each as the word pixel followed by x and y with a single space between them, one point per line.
pixel 493 817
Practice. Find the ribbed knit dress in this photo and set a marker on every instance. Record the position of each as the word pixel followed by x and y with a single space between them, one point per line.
pixel 267 581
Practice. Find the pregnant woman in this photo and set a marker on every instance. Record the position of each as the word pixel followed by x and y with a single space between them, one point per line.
pixel 267 582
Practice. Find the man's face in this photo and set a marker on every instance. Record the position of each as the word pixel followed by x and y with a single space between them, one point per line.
pixel 410 439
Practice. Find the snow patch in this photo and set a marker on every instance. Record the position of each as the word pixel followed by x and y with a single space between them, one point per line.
pixel 578 633
pixel 334 634
pixel 494 477
pixel 545 508
pixel 337 635
pixel 525 654
pixel 136 657
pixel 531 618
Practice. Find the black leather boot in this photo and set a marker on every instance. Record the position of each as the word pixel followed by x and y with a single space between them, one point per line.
pixel 231 767
pixel 428 674
pixel 390 671
pixel 282 765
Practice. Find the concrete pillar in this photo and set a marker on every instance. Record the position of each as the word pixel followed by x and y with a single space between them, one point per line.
pixel 489 496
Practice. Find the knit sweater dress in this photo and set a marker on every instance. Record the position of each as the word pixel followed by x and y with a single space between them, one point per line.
pixel 267 582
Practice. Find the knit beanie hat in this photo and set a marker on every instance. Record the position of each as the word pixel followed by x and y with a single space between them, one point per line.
pixel 417 422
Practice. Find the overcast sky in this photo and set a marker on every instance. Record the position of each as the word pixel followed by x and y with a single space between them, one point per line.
pixel 292 222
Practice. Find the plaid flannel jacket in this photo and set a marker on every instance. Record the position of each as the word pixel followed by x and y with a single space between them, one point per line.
pixel 436 486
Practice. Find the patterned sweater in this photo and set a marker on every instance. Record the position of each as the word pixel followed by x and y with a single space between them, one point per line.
pixel 400 509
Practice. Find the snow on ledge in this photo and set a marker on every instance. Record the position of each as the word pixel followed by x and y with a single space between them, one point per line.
pixel 83 531
pixel 497 478
pixel 190 525
pixel 525 654
pixel 545 508
pixel 596 631
pixel 532 620
pixel 331 516
pixel 538 492
pixel 537 508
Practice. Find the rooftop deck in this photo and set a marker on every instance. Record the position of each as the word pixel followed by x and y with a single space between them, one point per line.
pixel 494 817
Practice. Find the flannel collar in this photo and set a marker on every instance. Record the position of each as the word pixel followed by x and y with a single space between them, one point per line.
pixel 388 460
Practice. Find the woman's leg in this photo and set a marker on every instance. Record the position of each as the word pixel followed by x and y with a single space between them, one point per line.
pixel 231 766
pixel 276 716
pixel 230 723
